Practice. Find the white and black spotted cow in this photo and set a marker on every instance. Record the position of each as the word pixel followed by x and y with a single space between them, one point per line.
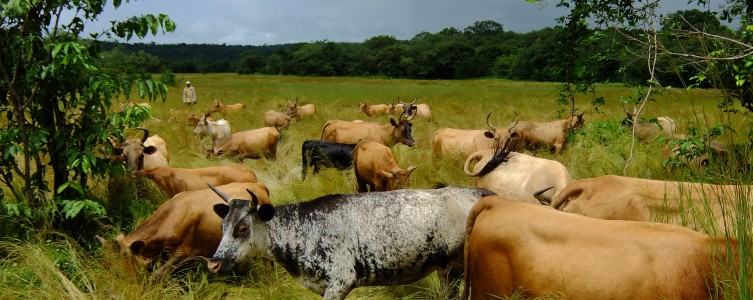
pixel 335 243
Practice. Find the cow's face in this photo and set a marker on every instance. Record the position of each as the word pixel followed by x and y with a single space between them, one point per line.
pixel 502 138
pixel 243 232
pixel 403 132
pixel 201 126
pixel 575 122
pixel 134 151
pixel 398 179
pixel 292 109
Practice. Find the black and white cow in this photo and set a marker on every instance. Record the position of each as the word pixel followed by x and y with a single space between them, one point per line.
pixel 321 154
pixel 335 243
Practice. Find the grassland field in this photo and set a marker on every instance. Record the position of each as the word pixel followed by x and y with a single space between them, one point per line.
pixel 601 147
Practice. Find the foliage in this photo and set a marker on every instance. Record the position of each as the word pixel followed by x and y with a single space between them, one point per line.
pixel 55 97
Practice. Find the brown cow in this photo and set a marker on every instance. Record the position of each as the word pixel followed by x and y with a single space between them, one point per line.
pixel 535 251
pixel 373 110
pixel 553 134
pixel 183 227
pixel 143 154
pixel 297 112
pixel 376 168
pixel 255 143
pixel 276 119
pixel 337 131
pixel 176 180
pixel 681 203
pixel 517 176
pixel 226 108
pixel 450 142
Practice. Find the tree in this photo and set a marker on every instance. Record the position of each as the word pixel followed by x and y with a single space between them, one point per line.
pixel 56 100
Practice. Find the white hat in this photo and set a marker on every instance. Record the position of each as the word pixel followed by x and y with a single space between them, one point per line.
pixel 188 82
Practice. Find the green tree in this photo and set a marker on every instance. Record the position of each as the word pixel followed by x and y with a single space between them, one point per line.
pixel 56 100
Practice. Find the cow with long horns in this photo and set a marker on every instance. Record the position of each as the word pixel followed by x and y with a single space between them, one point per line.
pixel 338 131
pixel 451 142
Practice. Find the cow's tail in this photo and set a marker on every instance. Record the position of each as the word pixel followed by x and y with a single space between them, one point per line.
pixel 324 129
pixel 476 156
pixel 475 211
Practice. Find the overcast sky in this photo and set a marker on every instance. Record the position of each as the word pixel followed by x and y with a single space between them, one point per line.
pixel 258 22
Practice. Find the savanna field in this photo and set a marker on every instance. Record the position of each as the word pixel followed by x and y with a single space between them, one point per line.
pixel 56 266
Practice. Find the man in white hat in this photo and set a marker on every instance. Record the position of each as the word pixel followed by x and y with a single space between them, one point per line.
pixel 189 94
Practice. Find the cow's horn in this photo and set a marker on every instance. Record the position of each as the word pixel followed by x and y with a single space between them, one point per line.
pixel 146 133
pixel 222 195
pixel 538 196
pixel 516 119
pixel 296 100
pixel 401 101
pixel 487 121
pixel 414 100
pixel 254 199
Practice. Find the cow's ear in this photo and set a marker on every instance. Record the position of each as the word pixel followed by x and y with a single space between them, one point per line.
pixel 514 135
pixel 489 134
pixel 137 246
pixel 266 212
pixel 221 209
pixel 150 149
pixel 392 121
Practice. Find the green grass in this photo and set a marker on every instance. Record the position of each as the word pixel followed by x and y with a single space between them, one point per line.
pixel 65 269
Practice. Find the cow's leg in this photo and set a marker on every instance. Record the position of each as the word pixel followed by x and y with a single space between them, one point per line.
pixel 362 184
pixel 167 267
pixel 339 287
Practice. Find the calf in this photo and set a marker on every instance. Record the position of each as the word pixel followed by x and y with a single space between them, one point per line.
pixel 532 251
pixel 176 180
pixel 276 119
pixel 681 203
pixel 255 143
pixel 452 143
pixel 183 227
pixel 517 176
pixel 373 110
pixel 297 112
pixel 376 168
pixel 553 134
pixel 219 131
pixel 335 243
pixel 345 132
pixel 321 154
pixel 226 108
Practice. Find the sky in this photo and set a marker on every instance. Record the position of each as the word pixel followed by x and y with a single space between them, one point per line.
pixel 260 22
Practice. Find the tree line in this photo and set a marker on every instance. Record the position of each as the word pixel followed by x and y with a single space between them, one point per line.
pixel 483 49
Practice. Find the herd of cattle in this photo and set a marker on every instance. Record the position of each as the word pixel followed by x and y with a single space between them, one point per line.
pixel 526 227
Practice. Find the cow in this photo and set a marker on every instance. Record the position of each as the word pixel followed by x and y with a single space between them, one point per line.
pixel 517 176
pixel 373 110
pixel 649 131
pixel 276 119
pixel 345 132
pixel 335 243
pixel 531 251
pixel 226 108
pixel 142 154
pixel 614 197
pixel 183 227
pixel 218 130
pixel 297 112
pixel 254 144
pixel 421 110
pixel 376 169
pixel 176 180
pixel 321 154
pixel 552 134
pixel 451 143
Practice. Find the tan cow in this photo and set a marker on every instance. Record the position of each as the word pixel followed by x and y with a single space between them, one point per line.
pixel 452 143
pixel 226 108
pixel 648 131
pixel 373 110
pixel 692 205
pixel 254 144
pixel 176 180
pixel 517 176
pixel 421 110
pixel 553 134
pixel 375 168
pixel 297 112
pixel 276 119
pixel 142 154
pixel 337 131
pixel 183 227
pixel 513 248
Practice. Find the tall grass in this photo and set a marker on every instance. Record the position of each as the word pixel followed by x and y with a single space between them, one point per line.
pixel 55 266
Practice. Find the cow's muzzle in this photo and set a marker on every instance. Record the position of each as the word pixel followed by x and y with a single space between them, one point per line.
pixel 217 265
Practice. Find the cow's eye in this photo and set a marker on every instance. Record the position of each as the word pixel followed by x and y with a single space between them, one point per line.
pixel 243 230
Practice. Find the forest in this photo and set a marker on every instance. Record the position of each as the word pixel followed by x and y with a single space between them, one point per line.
pixel 481 50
